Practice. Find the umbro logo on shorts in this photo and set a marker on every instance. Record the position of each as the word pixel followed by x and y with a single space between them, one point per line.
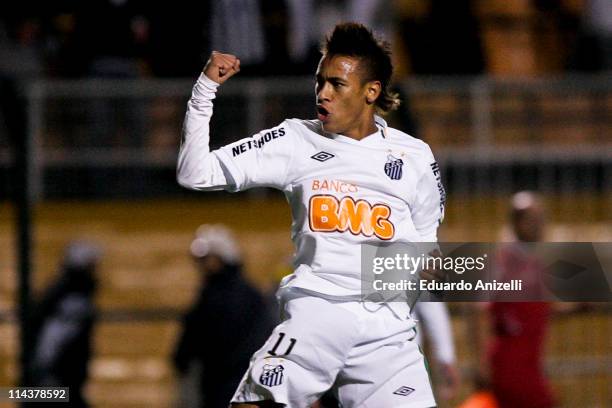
pixel 272 375
pixel 404 391
pixel 322 156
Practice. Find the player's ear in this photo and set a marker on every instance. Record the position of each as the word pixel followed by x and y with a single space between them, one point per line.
pixel 373 90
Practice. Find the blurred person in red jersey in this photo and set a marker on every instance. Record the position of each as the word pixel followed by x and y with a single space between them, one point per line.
pixel 512 366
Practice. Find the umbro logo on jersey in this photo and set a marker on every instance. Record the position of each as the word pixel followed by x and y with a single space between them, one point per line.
pixel 322 156
pixel 394 167
pixel 272 375
pixel 404 391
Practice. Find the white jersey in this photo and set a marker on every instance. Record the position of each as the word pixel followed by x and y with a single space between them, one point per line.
pixel 343 192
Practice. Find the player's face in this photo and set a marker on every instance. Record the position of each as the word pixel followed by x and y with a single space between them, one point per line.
pixel 342 97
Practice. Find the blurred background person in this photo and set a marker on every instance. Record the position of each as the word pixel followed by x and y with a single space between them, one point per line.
pixel 512 347
pixel 227 323
pixel 121 52
pixel 63 324
pixel 593 51
pixel 440 37
pixel 21 45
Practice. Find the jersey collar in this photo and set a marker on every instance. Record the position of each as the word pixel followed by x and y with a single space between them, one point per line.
pixel 380 134
pixel 382 126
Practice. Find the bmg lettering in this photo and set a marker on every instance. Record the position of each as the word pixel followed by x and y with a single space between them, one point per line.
pixel 328 214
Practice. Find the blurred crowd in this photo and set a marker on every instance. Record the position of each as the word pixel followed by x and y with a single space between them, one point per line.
pixel 135 38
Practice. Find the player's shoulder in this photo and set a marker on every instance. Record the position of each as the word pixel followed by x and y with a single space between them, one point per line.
pixel 285 135
pixel 285 130
pixel 410 143
pixel 302 126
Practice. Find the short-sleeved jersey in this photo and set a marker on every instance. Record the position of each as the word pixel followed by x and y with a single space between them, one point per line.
pixel 342 192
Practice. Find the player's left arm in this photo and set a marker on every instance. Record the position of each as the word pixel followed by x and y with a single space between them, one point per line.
pixel 436 322
pixel 427 210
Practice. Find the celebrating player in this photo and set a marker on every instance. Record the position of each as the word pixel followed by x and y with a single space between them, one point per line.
pixel 350 179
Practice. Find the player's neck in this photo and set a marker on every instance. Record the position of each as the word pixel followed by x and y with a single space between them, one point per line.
pixel 363 129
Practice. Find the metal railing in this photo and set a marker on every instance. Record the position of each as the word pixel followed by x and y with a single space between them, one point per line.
pixel 477 126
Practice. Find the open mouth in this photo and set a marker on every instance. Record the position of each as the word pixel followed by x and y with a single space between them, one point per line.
pixel 322 113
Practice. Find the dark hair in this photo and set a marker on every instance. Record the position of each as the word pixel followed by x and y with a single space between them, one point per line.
pixel 356 40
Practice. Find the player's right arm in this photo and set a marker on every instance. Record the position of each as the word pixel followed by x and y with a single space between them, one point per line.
pixel 197 168
pixel 262 160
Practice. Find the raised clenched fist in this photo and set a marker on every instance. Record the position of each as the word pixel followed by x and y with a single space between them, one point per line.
pixel 220 67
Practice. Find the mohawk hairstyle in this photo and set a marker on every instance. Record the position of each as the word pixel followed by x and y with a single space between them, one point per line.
pixel 356 40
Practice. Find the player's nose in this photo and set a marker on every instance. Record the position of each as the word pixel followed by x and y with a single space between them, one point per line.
pixel 323 92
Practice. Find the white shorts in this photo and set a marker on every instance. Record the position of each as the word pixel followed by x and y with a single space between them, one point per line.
pixel 369 358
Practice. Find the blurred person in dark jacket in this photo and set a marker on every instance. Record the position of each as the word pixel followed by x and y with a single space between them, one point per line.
pixel 227 323
pixel 63 323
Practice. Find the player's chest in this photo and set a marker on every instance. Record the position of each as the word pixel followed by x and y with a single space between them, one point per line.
pixel 384 174
pixel 362 193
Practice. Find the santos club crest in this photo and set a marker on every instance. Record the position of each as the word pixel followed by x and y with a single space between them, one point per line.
pixel 272 375
pixel 393 167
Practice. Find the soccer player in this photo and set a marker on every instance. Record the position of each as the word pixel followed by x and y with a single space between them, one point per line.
pixel 349 179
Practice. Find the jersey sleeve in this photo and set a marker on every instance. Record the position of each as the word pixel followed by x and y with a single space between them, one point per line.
pixel 428 206
pixel 435 319
pixel 259 161
pixel 262 160
pixel 197 167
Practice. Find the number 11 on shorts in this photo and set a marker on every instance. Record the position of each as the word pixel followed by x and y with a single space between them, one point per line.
pixel 281 336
